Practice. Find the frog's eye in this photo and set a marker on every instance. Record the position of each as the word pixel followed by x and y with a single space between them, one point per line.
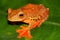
pixel 21 14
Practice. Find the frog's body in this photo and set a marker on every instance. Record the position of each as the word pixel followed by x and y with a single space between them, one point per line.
pixel 32 14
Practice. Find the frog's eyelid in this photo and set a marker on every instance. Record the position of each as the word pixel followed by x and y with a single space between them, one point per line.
pixel 20 13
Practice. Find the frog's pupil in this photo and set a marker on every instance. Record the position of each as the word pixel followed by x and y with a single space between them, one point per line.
pixel 21 15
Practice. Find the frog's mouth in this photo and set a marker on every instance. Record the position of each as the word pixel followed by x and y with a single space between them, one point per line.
pixel 17 20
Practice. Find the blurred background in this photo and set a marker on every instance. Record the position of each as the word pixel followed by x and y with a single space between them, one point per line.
pixel 49 30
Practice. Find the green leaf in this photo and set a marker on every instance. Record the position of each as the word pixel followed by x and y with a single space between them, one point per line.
pixel 49 30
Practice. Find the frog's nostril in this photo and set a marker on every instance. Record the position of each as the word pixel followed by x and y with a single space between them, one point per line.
pixel 21 15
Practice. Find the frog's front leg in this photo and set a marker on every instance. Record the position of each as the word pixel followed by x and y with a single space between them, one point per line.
pixel 24 32
pixel 34 24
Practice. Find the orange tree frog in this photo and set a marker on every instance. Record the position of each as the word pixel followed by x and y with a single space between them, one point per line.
pixel 33 14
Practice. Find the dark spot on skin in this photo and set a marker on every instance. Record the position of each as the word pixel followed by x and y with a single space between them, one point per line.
pixel 33 19
pixel 36 19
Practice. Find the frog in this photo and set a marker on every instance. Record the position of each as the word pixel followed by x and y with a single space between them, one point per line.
pixel 33 14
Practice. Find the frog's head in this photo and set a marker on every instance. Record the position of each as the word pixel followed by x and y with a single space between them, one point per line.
pixel 15 15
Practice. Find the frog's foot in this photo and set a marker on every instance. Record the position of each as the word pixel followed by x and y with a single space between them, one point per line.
pixel 24 32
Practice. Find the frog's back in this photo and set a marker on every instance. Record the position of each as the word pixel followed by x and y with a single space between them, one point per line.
pixel 32 10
